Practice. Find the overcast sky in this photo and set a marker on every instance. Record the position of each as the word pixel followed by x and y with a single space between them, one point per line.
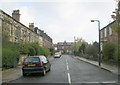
pixel 64 19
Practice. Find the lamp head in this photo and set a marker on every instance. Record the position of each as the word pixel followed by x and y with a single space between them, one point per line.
pixel 92 20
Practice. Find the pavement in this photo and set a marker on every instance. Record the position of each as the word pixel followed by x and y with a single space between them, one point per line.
pixel 15 73
pixel 11 74
pixel 111 68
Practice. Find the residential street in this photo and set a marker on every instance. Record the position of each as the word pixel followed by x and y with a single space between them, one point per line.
pixel 60 42
pixel 68 69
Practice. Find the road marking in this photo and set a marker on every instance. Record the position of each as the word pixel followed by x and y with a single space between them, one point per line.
pixel 100 82
pixel 69 79
pixel 67 67
pixel 66 62
pixel 109 82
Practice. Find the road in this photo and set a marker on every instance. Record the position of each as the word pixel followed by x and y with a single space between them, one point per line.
pixel 68 69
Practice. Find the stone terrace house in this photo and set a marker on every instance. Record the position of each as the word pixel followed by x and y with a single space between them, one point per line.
pixel 18 32
pixel 47 40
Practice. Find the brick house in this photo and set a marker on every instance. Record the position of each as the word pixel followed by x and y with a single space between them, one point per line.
pixel 64 47
pixel 108 34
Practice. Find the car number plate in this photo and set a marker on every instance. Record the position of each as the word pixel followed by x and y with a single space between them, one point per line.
pixel 31 64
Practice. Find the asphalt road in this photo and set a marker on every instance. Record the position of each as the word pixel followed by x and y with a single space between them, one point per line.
pixel 69 70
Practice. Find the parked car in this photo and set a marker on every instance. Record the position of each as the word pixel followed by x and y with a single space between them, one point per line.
pixel 57 55
pixel 36 64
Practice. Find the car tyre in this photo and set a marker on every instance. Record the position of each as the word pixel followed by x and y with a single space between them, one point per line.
pixel 49 70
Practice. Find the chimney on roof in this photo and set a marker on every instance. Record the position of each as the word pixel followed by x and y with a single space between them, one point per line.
pixel 16 15
pixel 31 26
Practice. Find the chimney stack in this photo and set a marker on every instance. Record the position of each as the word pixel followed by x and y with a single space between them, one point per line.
pixel 31 26
pixel 16 15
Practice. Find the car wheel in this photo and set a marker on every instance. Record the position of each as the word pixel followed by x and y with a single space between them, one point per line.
pixel 44 72
pixel 49 70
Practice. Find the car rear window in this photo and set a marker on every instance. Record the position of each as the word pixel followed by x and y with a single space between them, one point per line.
pixel 32 59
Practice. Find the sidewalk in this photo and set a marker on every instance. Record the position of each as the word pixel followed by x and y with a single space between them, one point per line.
pixel 113 69
pixel 11 74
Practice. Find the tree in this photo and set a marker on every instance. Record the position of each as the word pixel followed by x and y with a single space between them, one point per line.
pixel 116 17
pixel 52 51
pixel 96 47
pixel 79 46
pixel 90 50
pixel 82 48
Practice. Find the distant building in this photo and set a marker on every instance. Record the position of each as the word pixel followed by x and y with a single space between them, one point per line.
pixel 55 47
pixel 64 47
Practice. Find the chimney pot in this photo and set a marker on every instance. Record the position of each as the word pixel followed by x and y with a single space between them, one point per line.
pixel 16 15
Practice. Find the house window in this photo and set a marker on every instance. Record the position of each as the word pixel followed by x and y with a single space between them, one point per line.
pixel 105 31
pixel 110 30
pixel 101 34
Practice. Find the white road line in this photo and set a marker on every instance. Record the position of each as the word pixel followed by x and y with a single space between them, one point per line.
pixel 67 67
pixel 101 82
pixel 66 62
pixel 69 79
pixel 109 82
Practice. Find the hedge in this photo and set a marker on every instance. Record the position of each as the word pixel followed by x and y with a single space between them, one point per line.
pixel 10 57
pixel 32 51
pixel 108 51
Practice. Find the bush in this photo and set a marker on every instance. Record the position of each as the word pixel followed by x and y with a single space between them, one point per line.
pixel 37 47
pixel 11 52
pixel 10 57
pixel 23 48
pixel 91 52
pixel 32 51
pixel 117 53
pixel 108 51
pixel 52 51
pixel 44 51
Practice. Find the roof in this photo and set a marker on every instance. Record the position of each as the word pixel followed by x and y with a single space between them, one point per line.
pixel 108 25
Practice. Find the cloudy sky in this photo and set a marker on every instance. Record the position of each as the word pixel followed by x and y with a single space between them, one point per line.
pixel 64 19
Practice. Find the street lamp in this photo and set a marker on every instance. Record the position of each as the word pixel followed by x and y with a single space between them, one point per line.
pixel 74 46
pixel 99 60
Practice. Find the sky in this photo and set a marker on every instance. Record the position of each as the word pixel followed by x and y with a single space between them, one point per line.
pixel 63 20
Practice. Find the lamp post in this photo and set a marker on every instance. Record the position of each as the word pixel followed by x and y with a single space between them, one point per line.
pixel 74 46
pixel 99 60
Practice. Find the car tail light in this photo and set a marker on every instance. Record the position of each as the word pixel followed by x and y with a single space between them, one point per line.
pixel 42 63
